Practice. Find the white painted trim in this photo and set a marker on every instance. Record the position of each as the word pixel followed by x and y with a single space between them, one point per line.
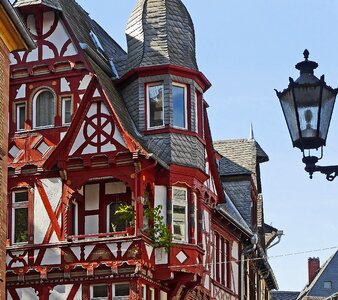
pixel 184 86
pixel 148 85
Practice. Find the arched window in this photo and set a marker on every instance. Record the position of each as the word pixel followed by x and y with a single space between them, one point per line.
pixel 43 109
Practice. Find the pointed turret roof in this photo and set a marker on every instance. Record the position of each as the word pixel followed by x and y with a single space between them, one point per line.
pixel 50 3
pixel 161 32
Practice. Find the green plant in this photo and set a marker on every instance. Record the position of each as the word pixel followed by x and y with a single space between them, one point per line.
pixel 158 232
pixel 125 213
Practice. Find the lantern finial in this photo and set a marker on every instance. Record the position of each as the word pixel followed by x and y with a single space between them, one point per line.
pixel 306 66
pixel 306 54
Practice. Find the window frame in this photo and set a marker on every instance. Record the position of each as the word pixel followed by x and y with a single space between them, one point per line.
pixel 92 291
pixel 35 97
pixel 185 87
pixel 15 206
pixel 63 111
pixel 17 106
pixel 149 85
pixel 120 283
pixel 186 224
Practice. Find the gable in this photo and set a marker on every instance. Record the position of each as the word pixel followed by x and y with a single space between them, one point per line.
pixel 329 272
pixel 98 133
pixel 52 39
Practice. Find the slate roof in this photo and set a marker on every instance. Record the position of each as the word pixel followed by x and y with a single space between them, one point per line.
pixel 50 3
pixel 328 272
pixel 239 156
pixel 240 192
pixel 161 32
pixel 283 295
pixel 229 210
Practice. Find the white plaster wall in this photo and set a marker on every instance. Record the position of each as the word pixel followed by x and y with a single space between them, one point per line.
pixel 47 53
pixel 91 224
pixel 234 251
pixel 41 218
pixel 64 85
pixel 92 196
pixel 118 137
pixel 113 248
pixel 78 141
pixel 31 24
pixel 115 188
pixel 235 276
pixel 21 92
pixel 161 256
pixel 85 82
pixel 48 20
pixel 53 189
pixel 61 292
pixel 161 199
pixel 27 294
pixel 124 247
pixel 52 257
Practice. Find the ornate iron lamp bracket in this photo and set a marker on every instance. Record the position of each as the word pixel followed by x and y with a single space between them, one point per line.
pixel 331 172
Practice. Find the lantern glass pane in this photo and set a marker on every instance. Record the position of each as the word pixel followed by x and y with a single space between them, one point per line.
pixel 307 99
pixel 327 108
pixel 289 110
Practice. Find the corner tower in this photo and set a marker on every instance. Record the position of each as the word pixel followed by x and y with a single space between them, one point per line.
pixel 162 85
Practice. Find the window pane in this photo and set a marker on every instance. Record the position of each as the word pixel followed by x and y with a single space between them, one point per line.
pixel 45 109
pixel 179 106
pixel 115 223
pixel 67 110
pixel 100 291
pixel 21 196
pixel 155 98
pixel 122 289
pixel 179 214
pixel 20 116
pixel 21 225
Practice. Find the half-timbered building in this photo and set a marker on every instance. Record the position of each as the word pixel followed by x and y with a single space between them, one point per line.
pixel 94 128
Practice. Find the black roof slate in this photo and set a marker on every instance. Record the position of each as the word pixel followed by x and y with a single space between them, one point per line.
pixel 284 295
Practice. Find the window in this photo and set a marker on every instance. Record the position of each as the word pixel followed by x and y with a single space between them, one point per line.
pixel 66 110
pixel 144 292
pixel 179 105
pixel 155 105
pixel 152 294
pixel 179 222
pixel 99 292
pixel 20 111
pixel 20 216
pixel 196 113
pixel 115 224
pixel 221 259
pixel 328 285
pixel 121 291
pixel 43 109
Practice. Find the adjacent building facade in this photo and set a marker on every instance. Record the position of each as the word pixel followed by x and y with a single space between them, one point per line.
pixel 13 37
pixel 94 129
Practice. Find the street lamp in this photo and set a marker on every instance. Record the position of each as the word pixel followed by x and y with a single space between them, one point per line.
pixel 307 105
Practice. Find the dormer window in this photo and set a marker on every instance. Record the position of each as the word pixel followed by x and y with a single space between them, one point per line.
pixel 179 100
pixel 43 109
pixel 155 105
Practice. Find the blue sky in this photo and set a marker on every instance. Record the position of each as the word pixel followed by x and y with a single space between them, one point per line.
pixel 246 49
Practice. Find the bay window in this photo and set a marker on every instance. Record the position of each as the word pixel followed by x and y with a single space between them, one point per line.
pixel 179 214
pixel 179 100
pixel 20 216
pixel 155 105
